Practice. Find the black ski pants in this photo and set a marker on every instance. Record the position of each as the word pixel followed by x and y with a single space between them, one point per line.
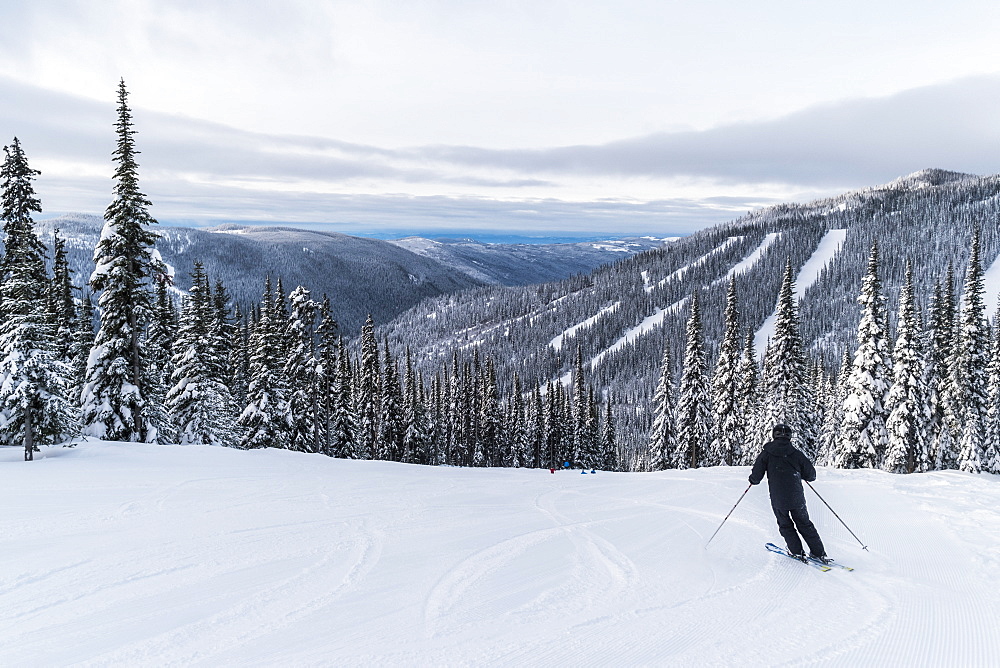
pixel 798 518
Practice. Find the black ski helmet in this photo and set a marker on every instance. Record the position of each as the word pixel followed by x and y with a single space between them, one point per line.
pixel 781 431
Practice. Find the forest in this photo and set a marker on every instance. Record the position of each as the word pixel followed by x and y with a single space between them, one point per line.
pixel 911 381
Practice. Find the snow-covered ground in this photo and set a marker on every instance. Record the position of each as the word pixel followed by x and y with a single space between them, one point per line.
pixel 131 555
pixel 991 286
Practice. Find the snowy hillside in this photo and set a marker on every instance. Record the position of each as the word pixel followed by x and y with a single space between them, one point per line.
pixel 525 264
pixel 622 315
pixel 173 556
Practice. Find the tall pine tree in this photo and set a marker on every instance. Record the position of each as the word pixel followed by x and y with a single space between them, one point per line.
pixel 33 377
pixel 115 401
pixel 863 436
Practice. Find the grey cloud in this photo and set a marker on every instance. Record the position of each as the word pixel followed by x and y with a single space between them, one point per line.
pixel 860 142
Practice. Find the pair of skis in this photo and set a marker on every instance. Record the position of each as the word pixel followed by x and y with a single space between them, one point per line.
pixel 809 561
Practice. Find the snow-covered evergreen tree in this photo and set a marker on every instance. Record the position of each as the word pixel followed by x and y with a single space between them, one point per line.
pixel 115 398
pixel 971 372
pixel 158 344
pixel 829 442
pixel 62 305
pixel 344 431
pixel 83 341
pixel 33 379
pixel 784 379
pixel 748 401
pixel 694 402
pixel 663 435
pixel 302 369
pixel 609 438
pixel 907 399
pixel 325 397
pixel 416 423
pixel 199 402
pixel 863 436
pixel 489 439
pixel 262 424
pixel 367 394
pixel 943 366
pixel 517 436
pixel 728 418
pixel 391 427
pixel 991 429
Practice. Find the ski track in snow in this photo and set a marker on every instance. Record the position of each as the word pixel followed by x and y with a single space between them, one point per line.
pixel 178 556
pixel 683 270
pixel 557 342
pixel 747 263
pixel 826 250
pixel 634 333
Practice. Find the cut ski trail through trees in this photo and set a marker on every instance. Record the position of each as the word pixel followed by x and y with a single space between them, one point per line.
pixel 826 250
pixel 125 554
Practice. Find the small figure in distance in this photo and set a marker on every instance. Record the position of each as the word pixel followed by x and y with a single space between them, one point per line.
pixel 786 468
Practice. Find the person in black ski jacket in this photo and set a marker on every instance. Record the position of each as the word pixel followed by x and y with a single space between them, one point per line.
pixel 786 468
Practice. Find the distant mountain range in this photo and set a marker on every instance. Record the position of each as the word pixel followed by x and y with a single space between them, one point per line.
pixel 360 275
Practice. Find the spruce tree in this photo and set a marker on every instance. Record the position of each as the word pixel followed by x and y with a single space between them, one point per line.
pixel 33 378
pixel 694 402
pixel 609 438
pixel 829 444
pixel 344 431
pixel 863 436
pixel 199 402
pixel 63 306
pixel 906 401
pixel 367 394
pixel 516 454
pixel 784 380
pixel 158 345
pixel 663 435
pixel 945 355
pixel 971 372
pixel 490 418
pixel 991 430
pixel 262 424
pixel 115 401
pixel 302 371
pixel 325 398
pixel 391 427
pixel 748 400
pixel 730 435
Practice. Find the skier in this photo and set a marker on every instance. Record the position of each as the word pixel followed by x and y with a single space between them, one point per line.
pixel 786 468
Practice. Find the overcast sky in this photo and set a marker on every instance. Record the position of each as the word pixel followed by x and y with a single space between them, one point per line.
pixel 575 115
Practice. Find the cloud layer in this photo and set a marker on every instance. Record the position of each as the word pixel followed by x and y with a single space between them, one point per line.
pixel 202 172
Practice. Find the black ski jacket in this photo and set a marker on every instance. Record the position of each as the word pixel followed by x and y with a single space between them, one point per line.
pixel 786 468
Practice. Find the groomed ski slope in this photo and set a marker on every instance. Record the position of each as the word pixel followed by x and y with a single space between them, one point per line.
pixel 132 555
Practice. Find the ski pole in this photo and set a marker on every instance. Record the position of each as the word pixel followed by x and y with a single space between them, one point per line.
pixel 730 513
pixel 863 546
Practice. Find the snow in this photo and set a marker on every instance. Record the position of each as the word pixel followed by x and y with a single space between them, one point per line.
pixel 569 332
pixel 826 250
pixel 121 554
pixel 991 283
